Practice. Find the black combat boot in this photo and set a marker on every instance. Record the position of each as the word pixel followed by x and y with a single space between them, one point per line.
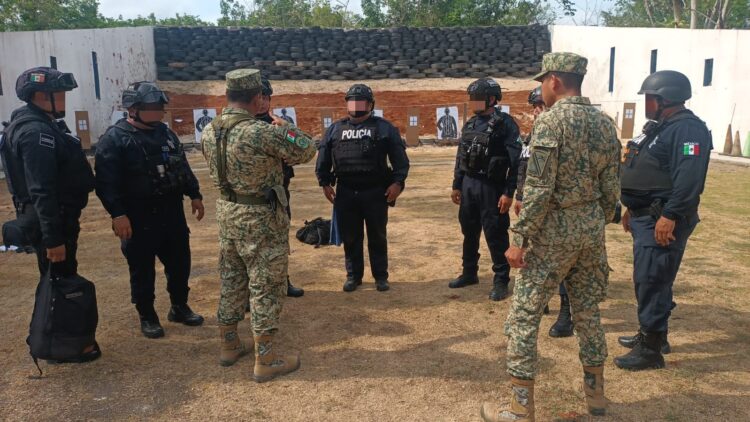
pixel 183 314
pixel 629 342
pixel 563 327
pixel 464 280
pixel 646 353
pixel 351 284
pixel 499 289
pixel 292 291
pixel 150 326
pixel 382 285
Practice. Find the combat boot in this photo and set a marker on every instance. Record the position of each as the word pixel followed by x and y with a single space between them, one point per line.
pixel 521 408
pixel 563 327
pixel 150 325
pixel 269 365
pixel 382 285
pixel 232 349
pixel 184 315
pixel 464 280
pixel 593 387
pixel 629 342
pixel 351 284
pixel 292 291
pixel 499 289
pixel 646 353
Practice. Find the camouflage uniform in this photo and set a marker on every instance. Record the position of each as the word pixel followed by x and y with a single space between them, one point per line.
pixel 253 239
pixel 572 185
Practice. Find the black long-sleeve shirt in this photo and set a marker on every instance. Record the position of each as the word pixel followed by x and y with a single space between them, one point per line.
pixel 684 149
pixel 512 143
pixel 122 172
pixel 394 151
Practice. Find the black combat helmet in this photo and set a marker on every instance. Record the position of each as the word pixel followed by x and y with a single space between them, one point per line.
pixel 672 86
pixel 360 92
pixel 535 96
pixel 143 93
pixel 43 79
pixel 265 86
pixel 485 88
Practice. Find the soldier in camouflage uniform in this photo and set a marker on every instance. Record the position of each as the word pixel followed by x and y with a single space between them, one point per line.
pixel 572 185
pixel 245 157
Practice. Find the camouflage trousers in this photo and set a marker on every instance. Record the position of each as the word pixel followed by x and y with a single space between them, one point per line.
pixel 585 272
pixel 258 264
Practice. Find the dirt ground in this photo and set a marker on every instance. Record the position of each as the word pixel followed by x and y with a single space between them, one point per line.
pixel 420 352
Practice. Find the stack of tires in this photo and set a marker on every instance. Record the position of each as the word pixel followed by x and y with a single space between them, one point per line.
pixel 190 54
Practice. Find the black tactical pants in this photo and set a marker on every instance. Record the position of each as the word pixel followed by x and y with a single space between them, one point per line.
pixel 159 230
pixel 655 268
pixel 479 212
pixel 355 208
pixel 29 223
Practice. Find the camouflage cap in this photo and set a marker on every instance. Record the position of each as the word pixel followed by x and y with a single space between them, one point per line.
pixel 243 79
pixel 562 62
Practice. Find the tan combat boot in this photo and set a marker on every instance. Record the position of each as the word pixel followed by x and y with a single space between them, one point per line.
pixel 593 386
pixel 269 365
pixel 521 408
pixel 231 346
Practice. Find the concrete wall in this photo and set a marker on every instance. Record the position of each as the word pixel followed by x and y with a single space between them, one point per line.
pixel 124 55
pixel 683 50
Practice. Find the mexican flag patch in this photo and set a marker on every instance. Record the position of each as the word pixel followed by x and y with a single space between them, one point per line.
pixel 37 78
pixel 291 136
pixel 691 148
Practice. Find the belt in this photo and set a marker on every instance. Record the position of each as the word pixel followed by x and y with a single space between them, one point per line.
pixel 640 212
pixel 245 199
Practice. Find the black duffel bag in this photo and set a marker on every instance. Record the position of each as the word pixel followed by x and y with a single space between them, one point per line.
pixel 316 232
pixel 64 321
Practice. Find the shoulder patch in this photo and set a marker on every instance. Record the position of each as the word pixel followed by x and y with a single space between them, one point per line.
pixel 290 136
pixel 691 148
pixel 302 142
pixel 46 140
pixel 538 162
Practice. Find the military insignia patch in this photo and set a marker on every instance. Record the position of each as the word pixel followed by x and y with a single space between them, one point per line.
pixel 691 148
pixel 303 143
pixel 46 140
pixel 37 78
pixel 291 136
pixel 538 162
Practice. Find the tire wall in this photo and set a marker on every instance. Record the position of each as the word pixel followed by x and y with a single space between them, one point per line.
pixel 194 54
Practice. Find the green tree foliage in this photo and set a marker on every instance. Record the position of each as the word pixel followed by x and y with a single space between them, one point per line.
pixel 665 13
pixel 287 13
pixel 36 15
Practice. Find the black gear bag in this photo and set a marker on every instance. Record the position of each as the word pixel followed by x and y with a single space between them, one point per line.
pixel 65 317
pixel 316 232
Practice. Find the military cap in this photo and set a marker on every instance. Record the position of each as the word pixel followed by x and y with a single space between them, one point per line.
pixel 243 79
pixel 562 62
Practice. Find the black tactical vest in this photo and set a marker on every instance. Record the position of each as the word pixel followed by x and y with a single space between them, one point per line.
pixel 641 170
pixel 483 153
pixel 167 170
pixel 357 152
pixel 76 177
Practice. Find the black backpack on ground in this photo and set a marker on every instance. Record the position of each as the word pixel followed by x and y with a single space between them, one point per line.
pixel 64 321
pixel 13 235
pixel 316 232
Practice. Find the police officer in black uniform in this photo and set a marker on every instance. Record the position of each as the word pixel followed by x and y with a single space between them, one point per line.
pixel 483 184
pixel 352 157
pixel 47 173
pixel 662 175
pixel 142 175
pixel 267 91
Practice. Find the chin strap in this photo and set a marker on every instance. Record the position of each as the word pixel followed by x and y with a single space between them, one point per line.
pixel 56 114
